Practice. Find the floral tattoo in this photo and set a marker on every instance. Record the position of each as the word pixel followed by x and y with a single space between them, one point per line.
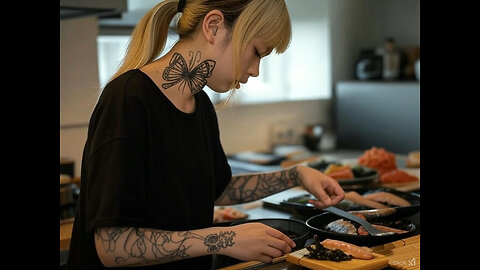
pixel 138 246
pixel 215 242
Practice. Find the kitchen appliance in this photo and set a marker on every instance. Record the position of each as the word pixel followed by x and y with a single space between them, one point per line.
pixel 368 66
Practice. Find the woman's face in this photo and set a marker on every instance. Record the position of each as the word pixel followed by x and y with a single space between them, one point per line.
pixel 223 75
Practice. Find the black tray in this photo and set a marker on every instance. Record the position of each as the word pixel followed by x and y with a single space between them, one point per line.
pixel 299 204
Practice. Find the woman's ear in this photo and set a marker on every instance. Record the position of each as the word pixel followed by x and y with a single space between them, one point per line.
pixel 213 22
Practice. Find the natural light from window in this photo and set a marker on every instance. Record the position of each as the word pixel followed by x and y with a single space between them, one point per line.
pixel 301 73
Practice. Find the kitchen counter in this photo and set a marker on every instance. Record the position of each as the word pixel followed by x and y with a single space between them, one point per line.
pixel 266 208
pixel 259 210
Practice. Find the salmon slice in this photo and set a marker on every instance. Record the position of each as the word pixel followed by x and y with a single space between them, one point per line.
pixel 350 249
pixel 388 198
pixel 359 199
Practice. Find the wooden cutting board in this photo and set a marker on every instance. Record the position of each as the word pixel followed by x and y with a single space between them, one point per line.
pixel 402 254
pixel 299 257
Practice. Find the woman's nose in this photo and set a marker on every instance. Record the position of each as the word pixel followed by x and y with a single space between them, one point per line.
pixel 254 69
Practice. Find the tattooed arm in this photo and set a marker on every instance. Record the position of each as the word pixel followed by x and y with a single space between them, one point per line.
pixel 129 246
pixel 251 187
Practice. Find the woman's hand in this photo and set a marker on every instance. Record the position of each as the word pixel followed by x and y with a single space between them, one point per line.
pixel 323 187
pixel 258 242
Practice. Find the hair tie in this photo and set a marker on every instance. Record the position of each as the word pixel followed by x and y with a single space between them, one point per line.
pixel 181 5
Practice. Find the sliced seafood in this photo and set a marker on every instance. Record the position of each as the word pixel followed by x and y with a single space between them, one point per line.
pixel 357 252
pixel 361 200
pixel 388 198
pixel 362 231
pixel 342 226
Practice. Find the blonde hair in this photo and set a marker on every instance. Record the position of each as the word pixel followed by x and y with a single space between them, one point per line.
pixel 246 19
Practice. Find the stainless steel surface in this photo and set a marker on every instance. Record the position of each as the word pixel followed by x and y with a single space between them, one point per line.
pixel 372 230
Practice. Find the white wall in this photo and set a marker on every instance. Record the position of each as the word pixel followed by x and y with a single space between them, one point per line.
pixel 78 84
pixel 249 127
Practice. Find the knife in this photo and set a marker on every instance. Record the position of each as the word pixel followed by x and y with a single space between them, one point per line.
pixel 370 229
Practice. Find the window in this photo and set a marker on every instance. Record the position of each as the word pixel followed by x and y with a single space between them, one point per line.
pixel 302 72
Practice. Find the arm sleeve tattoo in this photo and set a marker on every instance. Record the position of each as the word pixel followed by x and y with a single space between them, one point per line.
pixel 140 246
pixel 247 188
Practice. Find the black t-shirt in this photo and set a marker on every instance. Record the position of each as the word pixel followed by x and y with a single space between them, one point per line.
pixel 147 164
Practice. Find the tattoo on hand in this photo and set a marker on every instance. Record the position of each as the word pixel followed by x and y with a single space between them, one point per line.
pixel 247 188
pixel 179 72
pixel 140 246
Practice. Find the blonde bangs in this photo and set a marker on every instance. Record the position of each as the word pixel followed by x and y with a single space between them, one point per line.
pixel 265 19
pixel 276 29
pixel 268 20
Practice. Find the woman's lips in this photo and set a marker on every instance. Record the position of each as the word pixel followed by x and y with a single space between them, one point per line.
pixel 238 83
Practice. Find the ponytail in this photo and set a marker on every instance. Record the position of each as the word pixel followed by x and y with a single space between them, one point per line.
pixel 149 37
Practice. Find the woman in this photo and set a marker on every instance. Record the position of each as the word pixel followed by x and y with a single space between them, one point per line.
pixel 153 166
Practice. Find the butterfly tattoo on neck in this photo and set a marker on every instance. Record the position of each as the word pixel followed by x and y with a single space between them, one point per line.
pixel 178 72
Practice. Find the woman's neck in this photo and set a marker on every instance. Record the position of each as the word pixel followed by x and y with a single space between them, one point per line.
pixel 177 74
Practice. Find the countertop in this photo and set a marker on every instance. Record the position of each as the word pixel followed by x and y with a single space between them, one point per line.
pixel 259 209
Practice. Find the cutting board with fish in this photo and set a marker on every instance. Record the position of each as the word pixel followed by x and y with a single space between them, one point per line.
pixel 300 257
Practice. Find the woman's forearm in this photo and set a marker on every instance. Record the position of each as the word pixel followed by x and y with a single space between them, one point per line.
pixel 251 187
pixel 129 246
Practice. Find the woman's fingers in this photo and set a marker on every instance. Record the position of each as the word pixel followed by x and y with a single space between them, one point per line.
pixel 280 244
pixel 265 258
pixel 272 252
pixel 276 234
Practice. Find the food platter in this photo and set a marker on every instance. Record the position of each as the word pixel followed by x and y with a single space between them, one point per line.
pixel 300 204
pixel 318 224
pixel 362 175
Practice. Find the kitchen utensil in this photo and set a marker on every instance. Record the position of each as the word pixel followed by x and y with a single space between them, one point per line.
pixel 372 230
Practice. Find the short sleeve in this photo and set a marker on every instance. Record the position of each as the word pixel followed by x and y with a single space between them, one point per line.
pixel 116 194
pixel 116 163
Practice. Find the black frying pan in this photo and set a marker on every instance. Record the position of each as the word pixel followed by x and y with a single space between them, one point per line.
pixel 318 224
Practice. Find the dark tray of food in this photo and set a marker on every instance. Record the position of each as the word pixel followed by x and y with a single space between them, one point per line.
pixel 379 203
pixel 346 175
